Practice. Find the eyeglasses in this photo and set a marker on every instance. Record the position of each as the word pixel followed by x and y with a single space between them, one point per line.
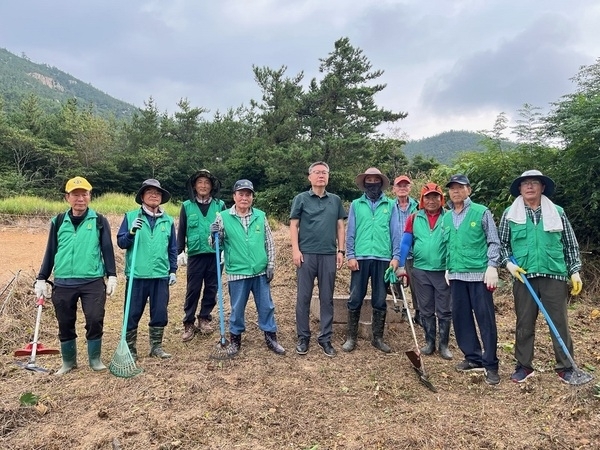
pixel 320 172
pixel 531 183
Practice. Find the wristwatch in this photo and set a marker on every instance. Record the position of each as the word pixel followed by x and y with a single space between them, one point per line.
pixel 343 252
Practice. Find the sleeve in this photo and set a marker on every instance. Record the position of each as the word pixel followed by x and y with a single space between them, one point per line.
pixel 124 239
pixel 491 233
pixel 49 254
pixel 181 229
pixel 504 236
pixel 296 210
pixel 269 245
pixel 108 251
pixel 172 249
pixel 396 233
pixel 350 234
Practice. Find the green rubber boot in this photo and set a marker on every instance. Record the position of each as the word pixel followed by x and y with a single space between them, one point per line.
pixel 131 339
pixel 68 351
pixel 94 351
pixel 156 338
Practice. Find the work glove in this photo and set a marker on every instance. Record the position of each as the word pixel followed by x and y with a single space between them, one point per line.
pixel 214 228
pixel 577 284
pixel 43 289
pixel 136 225
pixel 182 259
pixel 270 274
pixel 401 272
pixel 491 278
pixel 111 285
pixel 172 279
pixel 516 271
pixel 389 276
pixel 447 278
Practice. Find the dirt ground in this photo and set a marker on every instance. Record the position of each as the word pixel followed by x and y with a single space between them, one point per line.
pixel 361 400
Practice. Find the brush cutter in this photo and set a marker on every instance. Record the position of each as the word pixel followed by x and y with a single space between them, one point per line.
pixel 35 348
pixel 122 363
pixel 220 350
pixel 579 377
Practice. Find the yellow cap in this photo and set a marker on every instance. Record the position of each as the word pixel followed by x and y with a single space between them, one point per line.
pixel 77 183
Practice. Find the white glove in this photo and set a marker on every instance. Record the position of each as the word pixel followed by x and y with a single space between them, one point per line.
pixel 111 285
pixel 42 289
pixel 446 278
pixel 400 272
pixel 577 283
pixel 491 278
pixel 182 259
pixel 172 279
pixel 515 270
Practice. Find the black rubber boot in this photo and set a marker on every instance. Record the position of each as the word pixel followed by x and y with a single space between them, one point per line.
pixel 235 343
pixel 131 339
pixel 94 349
pixel 68 351
pixel 156 338
pixel 271 340
pixel 378 324
pixel 444 330
pixel 352 336
pixel 429 326
pixel 417 318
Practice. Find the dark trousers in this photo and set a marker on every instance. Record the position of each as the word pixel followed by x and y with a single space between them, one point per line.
pixel 553 295
pixel 201 270
pixel 93 300
pixel 473 299
pixel 433 294
pixel 156 290
pixel 411 283
pixel 368 269
pixel 323 268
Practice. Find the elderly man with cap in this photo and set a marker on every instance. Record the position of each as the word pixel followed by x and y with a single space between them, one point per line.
pixel 423 235
pixel 406 206
pixel 372 245
pixel 155 264
pixel 473 255
pixel 249 263
pixel 537 233
pixel 80 251
pixel 195 217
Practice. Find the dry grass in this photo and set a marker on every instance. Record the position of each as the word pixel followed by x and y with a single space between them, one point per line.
pixel 362 400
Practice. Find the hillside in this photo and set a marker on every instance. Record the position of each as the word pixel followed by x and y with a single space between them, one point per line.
pixel 20 77
pixel 444 147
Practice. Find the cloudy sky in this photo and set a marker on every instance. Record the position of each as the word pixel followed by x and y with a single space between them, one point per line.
pixel 451 64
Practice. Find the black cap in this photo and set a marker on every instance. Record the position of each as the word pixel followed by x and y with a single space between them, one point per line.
pixel 243 184
pixel 458 178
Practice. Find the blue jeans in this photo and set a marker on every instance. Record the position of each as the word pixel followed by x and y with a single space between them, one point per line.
pixel 239 292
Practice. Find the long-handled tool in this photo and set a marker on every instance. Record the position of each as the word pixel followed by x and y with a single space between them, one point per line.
pixel 122 363
pixel 220 350
pixel 35 348
pixel 579 377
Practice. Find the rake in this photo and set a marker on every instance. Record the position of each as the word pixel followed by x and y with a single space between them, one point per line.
pixel 122 363
pixel 579 377
pixel 220 351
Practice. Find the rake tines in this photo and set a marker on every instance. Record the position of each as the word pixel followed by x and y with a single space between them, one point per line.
pixel 122 364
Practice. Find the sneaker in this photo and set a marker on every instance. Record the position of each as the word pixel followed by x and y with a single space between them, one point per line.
pixel 466 366
pixel 205 326
pixel 327 349
pixel 492 377
pixel 188 332
pixel 521 374
pixel 565 375
pixel 302 345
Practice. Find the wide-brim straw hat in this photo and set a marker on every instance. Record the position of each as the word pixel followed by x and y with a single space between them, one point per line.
pixel 546 181
pixel 360 178
pixel 151 182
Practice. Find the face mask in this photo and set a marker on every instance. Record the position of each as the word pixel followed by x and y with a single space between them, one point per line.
pixel 373 190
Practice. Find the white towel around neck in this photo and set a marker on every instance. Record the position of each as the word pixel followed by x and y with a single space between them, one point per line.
pixel 550 216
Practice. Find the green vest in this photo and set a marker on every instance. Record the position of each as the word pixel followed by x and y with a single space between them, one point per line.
pixel 467 246
pixel 372 229
pixel 245 252
pixel 78 253
pixel 198 226
pixel 152 259
pixel 429 248
pixel 536 250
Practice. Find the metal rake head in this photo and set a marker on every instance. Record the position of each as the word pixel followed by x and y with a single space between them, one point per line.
pixel 122 364
pixel 221 351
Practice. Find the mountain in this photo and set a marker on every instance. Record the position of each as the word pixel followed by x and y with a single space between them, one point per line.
pixel 19 77
pixel 444 147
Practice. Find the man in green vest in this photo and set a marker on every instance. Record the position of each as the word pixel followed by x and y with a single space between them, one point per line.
pixel 155 264
pixel 80 251
pixel 539 236
pixel 195 217
pixel 249 251
pixel 423 234
pixel 473 256
pixel 372 245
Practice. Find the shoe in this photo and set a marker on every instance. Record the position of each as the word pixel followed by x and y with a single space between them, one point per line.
pixel 565 375
pixel 302 345
pixel 205 326
pixel 466 366
pixel 521 374
pixel 188 332
pixel 272 344
pixel 327 349
pixel 492 377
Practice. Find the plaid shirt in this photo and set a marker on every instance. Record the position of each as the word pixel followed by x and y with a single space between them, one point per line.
pixel 269 242
pixel 568 239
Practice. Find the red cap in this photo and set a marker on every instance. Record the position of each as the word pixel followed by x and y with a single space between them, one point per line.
pixel 402 178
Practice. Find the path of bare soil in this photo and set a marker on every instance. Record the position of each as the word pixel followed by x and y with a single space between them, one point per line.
pixel 361 400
